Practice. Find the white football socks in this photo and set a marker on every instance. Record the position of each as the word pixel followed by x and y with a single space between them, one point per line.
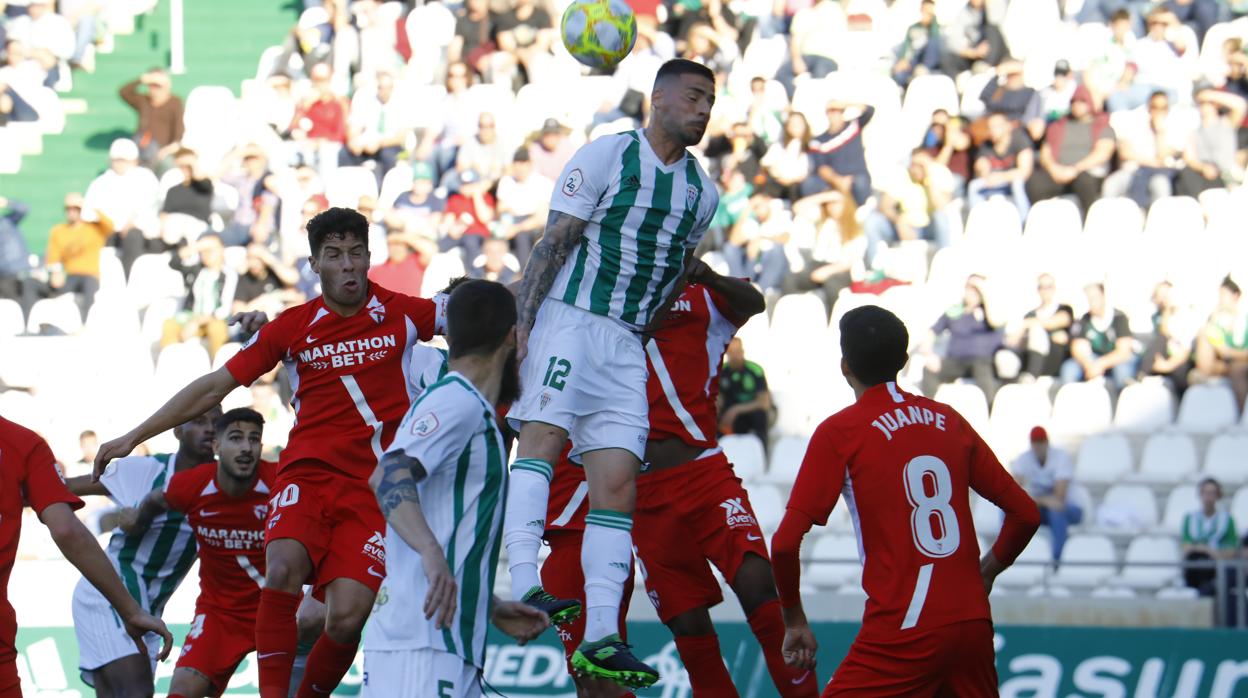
pixel 607 560
pixel 524 521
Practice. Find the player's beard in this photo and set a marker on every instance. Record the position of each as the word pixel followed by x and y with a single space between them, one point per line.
pixel 509 386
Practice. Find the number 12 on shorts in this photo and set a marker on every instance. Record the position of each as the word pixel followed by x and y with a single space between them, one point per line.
pixel 933 523
pixel 557 373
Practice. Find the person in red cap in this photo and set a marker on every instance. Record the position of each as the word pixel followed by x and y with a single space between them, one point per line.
pixel 1047 473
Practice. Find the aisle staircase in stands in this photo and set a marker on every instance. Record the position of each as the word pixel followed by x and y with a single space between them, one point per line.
pixel 223 40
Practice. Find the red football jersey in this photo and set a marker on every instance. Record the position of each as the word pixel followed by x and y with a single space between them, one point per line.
pixel 349 374
pixel 28 476
pixel 684 360
pixel 905 466
pixel 569 496
pixel 230 534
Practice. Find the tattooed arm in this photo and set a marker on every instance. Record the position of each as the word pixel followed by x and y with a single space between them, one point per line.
pixel 394 482
pixel 562 233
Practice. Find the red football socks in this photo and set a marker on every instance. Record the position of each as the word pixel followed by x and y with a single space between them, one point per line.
pixel 277 636
pixel 768 627
pixel 707 674
pixel 327 664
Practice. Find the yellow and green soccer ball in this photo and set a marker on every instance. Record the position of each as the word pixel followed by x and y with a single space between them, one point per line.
pixel 599 33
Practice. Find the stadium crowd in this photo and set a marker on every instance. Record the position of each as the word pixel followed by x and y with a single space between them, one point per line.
pixel 1045 190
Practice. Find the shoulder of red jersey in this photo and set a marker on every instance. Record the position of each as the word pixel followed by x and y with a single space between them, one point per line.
pixel 382 297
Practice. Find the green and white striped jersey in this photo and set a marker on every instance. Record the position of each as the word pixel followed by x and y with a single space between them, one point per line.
pixel 452 431
pixel 154 563
pixel 644 217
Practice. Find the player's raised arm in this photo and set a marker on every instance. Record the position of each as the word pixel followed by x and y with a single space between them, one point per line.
pixel 81 549
pixel 1022 517
pixel 563 232
pixel 740 297
pixel 196 398
pixel 136 520
pixel 394 481
pixel 85 485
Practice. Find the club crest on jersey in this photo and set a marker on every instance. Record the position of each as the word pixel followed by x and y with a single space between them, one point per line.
pixel 425 425
pixel 261 511
pixel 573 183
pixel 691 196
pixel 736 515
pixel 543 401
pixel 376 310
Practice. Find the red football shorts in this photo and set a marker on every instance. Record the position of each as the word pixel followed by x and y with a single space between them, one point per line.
pixel 337 520
pixel 704 502
pixel 955 660
pixel 216 644
pixel 10 683
pixel 562 577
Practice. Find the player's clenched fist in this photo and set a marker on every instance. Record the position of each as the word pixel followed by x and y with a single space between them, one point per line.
pixel 520 621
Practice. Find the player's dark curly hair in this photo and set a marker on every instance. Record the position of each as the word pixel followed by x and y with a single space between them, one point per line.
pixel 874 344
pixel 479 314
pixel 337 223
pixel 238 414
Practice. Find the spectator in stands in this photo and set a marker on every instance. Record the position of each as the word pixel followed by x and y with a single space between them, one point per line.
pixel 1075 155
pixel 1155 64
pixel 376 128
pixel 319 128
pixel 1047 473
pixel 838 155
pixel 1106 72
pixel 422 202
pixel 20 70
pixel 89 445
pixel 474 35
pixel 755 246
pixel 255 217
pixel 919 53
pixel 762 117
pixel 1169 352
pixel 1008 94
pixel 457 112
pixel 1002 166
pixel 13 108
pixel 127 194
pixel 1102 344
pixel 1210 153
pixel 523 201
pixel 409 255
pixel 210 298
pixel 949 145
pixel 491 264
pixel 740 149
pixel 310 41
pixel 484 153
pixel 160 111
pixel 73 255
pixel 813 39
pixel 274 103
pixel 911 207
pixel 744 400
pixel 525 32
pixel 1129 12
pixel 266 285
pixel 14 255
pixel 188 204
pixel 1222 346
pixel 84 16
pixel 836 256
pixel 1198 15
pixel 469 213
pixel 1208 534
pixel 971 336
pixel 47 35
pixel 1150 150
pixel 706 46
pixel 971 40
pixel 1055 99
pixel 552 149
pixel 1043 337
pixel 787 161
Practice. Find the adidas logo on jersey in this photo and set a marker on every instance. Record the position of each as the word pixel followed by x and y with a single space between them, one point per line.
pixel 631 182
pixel 736 514
pixel 376 547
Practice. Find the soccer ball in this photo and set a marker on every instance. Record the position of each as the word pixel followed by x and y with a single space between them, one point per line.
pixel 599 33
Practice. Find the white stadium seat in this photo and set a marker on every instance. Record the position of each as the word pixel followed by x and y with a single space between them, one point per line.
pixel 1144 407
pixel 786 460
pixel 746 454
pixel 112 275
pixel 1178 594
pixel 986 515
pixel 179 364
pixel 796 312
pixel 344 186
pixel 225 353
pixel 112 315
pixel 1096 561
pixel 1179 502
pixel 993 223
pixel 12 322
pixel 152 278
pixel 1174 218
pixel 968 400
pixel 1051 221
pixel 1224 461
pixel 1113 216
pixel 1167 459
pixel 1207 408
pixel 1017 408
pixel 1103 459
pixel 1111 592
pixel 60 312
pixel 1081 408
pixel 1035 557
pixel 768 506
pixel 1239 504
pixel 832 574
pixel 1128 509
pixel 1150 549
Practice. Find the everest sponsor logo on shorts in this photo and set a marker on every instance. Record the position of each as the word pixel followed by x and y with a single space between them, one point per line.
pixel 736 514
pixel 350 352
pixel 231 538
pixel 425 425
pixel 376 547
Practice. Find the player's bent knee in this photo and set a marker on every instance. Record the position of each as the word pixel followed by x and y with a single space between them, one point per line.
pixel 754 583
pixel 287 565
pixel 347 608
pixel 190 683
pixel 692 623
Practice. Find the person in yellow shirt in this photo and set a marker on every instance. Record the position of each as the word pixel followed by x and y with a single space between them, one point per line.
pixel 73 255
